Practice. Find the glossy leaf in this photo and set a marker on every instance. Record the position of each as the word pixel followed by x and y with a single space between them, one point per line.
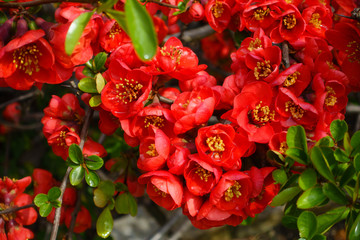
pixel 104 223
pixel 320 161
pixel 298 155
pixel 94 162
pixel 40 199
pixel 119 17
pixel 100 199
pixel 91 178
pixel 76 175
pixel 45 209
pixel 141 30
pixel 88 72
pixel 54 193
pixel 100 82
pixel 334 193
pixel 88 85
pixel 307 224
pixel 341 155
pixel 106 5
pixel 75 31
pixel 328 219
pixel 347 146
pixel 95 101
pixel 347 176
pixel 355 140
pixel 338 128
pixel 307 179
pixel 125 203
pixel 296 138
pixel 75 154
pixel 354 233
pixel 279 175
pixel 326 142
pixel 285 196
pixel 99 61
pixel 311 198
pixel 107 187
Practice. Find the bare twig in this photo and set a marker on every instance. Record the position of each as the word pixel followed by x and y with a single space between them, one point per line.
pixel 20 127
pixel 83 136
pixel 285 54
pixel 194 34
pixel 162 4
pixel 19 98
pixel 37 2
pixel 15 209
pixel 165 100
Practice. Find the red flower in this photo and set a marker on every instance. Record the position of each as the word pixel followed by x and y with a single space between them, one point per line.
pixel 82 222
pixel 200 176
pixel 126 91
pixel 178 160
pixel 218 14
pixel 112 35
pixel 163 188
pixel 61 140
pixel 26 60
pixel 318 20
pixel 43 181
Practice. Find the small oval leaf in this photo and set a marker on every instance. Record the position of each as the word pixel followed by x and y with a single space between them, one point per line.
pixel 307 224
pixel 45 209
pixel 296 138
pixel 354 233
pixel 321 163
pixel 334 193
pixel 92 179
pixel 307 179
pixel 94 162
pixel 338 128
pixel 100 82
pixel 75 154
pixel 328 219
pixel 88 85
pixel 40 199
pixel 95 101
pixel 104 223
pixel 76 175
pixel 311 198
pixel 54 193
pixel 279 175
pixel 285 196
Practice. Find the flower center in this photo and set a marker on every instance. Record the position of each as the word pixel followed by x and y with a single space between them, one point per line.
pixel 115 29
pixel 295 110
pixel 61 138
pixel 330 65
pixel 233 191
pixel 260 115
pixel 291 79
pixel 289 21
pixel 155 121
pixel 202 173
pixel 174 53
pixel 216 145
pixel 283 147
pixel 128 91
pixel 315 20
pixel 260 13
pixel 158 191
pixel 330 99
pixel 26 59
pixel 262 69
pixel 255 44
pixel 217 9
pixel 152 150
pixel 7 216
pixel 354 55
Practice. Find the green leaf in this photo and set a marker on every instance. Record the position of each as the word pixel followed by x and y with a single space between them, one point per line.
pixel 338 128
pixel 75 154
pixel 347 176
pixel 99 61
pixel 307 224
pixel 40 199
pixel 298 155
pixel 88 85
pixel 319 158
pixel 108 188
pixel 357 162
pixel 54 193
pixel 100 199
pixel 307 179
pixel 106 5
pixel 45 209
pixel 347 146
pixel 341 156
pixel 326 142
pixel 75 31
pixel 328 219
pixel 296 138
pixel 95 101
pixel 354 233
pixel 334 193
pixel 120 187
pixel 279 175
pixel 285 196
pixel 100 82
pixel 289 221
pixel 310 198
pixel 92 179
pixel 125 203
pixel 76 175
pixel 104 223
pixel 355 140
pixel 94 162
pixel 319 237
pixel 88 72
pixel 141 30
pixel 274 155
pixel 119 17
pixel 55 203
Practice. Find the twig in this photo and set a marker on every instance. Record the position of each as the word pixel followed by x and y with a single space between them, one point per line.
pixel 285 54
pixel 165 100
pixel 15 209
pixel 37 2
pixel 19 98
pixel 20 127
pixel 194 34
pixel 162 4
pixel 83 135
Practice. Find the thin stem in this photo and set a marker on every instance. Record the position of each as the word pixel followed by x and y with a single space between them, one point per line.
pixel 162 4
pixel 285 54
pixel 83 135
pixel 15 209
pixel 19 98
pixel 165 100
pixel 194 34
pixel 37 2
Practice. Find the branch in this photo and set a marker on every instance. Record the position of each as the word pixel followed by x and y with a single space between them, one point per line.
pixel 20 127
pixel 15 209
pixel 285 54
pixel 165 100
pixel 38 2
pixel 162 4
pixel 194 34
pixel 83 135
pixel 20 98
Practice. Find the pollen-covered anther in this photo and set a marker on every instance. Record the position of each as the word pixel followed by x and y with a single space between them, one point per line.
pixel 8 216
pixel 291 79
pixel 216 146
pixel 354 52
pixel 203 173
pixel 283 147
pixel 217 9
pixel 115 29
pixel 61 139
pixel 156 121
pixel 260 13
pixel 128 90
pixel 330 99
pixel 255 44
pixel 262 69
pixel 152 150
pixel 26 58
pixel 158 191
pixel 173 52
pixel 289 21
pixel 315 20
pixel 232 191
pixel 261 115
pixel 295 110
